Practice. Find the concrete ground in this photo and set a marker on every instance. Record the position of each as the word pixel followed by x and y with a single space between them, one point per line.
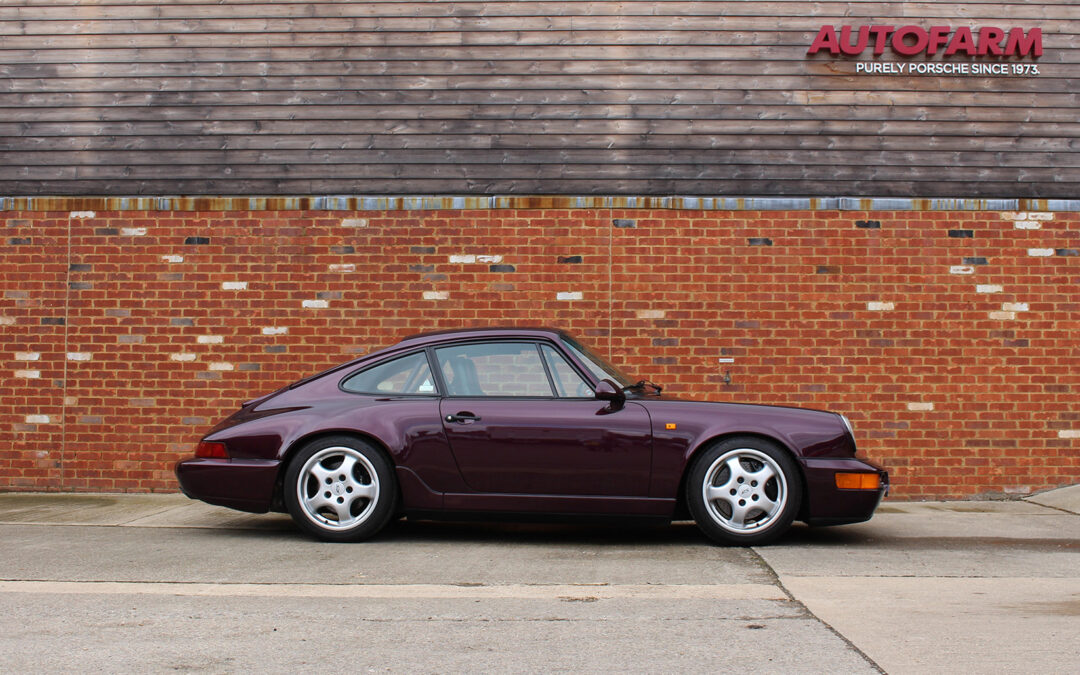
pixel 161 583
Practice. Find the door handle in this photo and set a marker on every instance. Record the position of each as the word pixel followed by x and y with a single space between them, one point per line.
pixel 463 417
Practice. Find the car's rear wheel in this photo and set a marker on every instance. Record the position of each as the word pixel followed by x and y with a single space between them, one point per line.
pixel 340 488
pixel 744 491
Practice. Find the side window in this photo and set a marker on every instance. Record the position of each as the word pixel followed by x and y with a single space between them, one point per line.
pixel 493 369
pixel 568 384
pixel 406 375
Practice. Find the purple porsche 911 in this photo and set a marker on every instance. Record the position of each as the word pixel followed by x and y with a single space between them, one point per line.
pixel 522 423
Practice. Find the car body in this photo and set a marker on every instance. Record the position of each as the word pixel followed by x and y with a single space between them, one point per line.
pixel 524 422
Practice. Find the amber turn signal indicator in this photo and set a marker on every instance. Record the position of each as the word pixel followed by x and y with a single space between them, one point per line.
pixel 669 425
pixel 858 481
pixel 211 450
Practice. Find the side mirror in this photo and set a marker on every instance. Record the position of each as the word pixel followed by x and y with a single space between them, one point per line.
pixel 606 390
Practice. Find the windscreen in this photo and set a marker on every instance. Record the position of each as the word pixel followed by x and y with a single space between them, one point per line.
pixel 597 365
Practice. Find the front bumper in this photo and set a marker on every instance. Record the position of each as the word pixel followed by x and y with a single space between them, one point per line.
pixel 245 485
pixel 827 504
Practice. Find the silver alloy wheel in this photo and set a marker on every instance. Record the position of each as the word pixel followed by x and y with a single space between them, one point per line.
pixel 337 488
pixel 744 490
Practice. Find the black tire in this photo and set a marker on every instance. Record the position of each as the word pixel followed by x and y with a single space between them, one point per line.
pixel 339 505
pixel 756 491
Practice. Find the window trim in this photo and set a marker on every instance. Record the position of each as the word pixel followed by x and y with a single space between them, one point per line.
pixel 536 342
pixel 391 358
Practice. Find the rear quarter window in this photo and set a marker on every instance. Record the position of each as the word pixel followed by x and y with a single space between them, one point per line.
pixel 402 376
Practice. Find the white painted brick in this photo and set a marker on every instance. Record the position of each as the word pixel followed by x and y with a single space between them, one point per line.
pixel 71 400
pixel 1069 433
pixel 493 259
pixel 37 419
pixel 354 222
pixel 275 330
pixel 989 288
pixel 7 321
pixel 1014 307
pixel 210 339
pixel 221 365
pixel 79 356
pixel 961 269
pixel 81 214
pixel 315 304
pixel 651 313
pixel 1041 252
pixel 1002 316
pixel 1027 215
pixel 725 359
pixel 28 374
pixel 436 295
pixel 1027 225
pixel 348 267
pixel 463 259
pixel 570 295
pixel 234 285
pixel 880 306
pixel 172 258
pixel 27 356
pixel 133 231
pixel 918 406
pixel 182 356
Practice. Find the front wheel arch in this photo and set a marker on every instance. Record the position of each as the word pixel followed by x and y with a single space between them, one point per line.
pixel 744 490
pixel 682 510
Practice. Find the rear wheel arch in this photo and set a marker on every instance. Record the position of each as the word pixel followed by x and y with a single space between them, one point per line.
pixel 682 510
pixel 301 442
pixel 339 486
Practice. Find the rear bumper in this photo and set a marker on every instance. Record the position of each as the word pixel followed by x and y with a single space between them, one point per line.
pixel 828 505
pixel 246 485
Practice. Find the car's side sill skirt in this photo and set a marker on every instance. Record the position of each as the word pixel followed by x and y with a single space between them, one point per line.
pixel 537 517
pixel 560 504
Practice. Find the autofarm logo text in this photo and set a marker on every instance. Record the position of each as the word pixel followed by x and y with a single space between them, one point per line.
pixel 914 41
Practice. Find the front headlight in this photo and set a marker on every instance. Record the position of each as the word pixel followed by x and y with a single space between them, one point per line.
pixel 847 425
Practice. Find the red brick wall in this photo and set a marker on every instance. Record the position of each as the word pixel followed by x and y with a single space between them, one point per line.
pixel 949 338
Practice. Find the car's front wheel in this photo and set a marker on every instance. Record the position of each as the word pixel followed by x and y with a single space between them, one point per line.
pixel 340 488
pixel 744 491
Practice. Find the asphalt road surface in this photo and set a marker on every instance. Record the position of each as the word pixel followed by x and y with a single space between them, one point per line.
pixel 158 583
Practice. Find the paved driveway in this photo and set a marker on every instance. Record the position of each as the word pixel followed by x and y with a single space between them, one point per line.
pixel 162 583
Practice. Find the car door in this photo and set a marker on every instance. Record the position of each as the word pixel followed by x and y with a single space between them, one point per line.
pixel 521 420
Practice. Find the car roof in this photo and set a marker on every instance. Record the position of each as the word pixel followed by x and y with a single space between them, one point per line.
pixel 480 333
pixel 439 336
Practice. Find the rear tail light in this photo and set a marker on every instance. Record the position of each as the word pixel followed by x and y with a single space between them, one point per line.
pixel 211 450
pixel 858 481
